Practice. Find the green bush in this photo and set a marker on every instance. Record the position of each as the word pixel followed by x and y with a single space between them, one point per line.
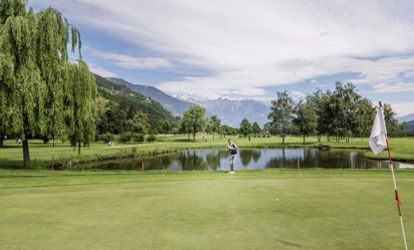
pixel 107 137
pixel 125 137
pixel 151 138
pixel 137 137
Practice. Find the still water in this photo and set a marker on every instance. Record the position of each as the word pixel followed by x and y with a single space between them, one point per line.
pixel 214 159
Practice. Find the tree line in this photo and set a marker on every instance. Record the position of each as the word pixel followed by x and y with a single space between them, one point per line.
pixel 340 114
pixel 44 92
pixel 195 120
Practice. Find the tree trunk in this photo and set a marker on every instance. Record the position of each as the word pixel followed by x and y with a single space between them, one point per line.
pixel 1 140
pixel 283 139
pixel 26 155
pixel 304 139
pixel 72 140
pixel 79 148
pixel 194 134
pixel 319 138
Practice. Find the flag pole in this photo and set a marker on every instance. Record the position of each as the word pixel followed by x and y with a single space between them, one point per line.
pixel 397 197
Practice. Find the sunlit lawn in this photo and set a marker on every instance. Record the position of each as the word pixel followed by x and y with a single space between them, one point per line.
pixel 269 209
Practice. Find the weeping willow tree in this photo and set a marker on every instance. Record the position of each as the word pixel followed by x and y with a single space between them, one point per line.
pixel 7 9
pixel 6 110
pixel 53 38
pixel 34 49
pixel 81 99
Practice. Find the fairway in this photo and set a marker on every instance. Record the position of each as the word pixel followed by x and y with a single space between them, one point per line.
pixel 269 209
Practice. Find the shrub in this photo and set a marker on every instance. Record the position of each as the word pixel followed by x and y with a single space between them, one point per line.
pixel 107 137
pixel 45 139
pixel 137 137
pixel 151 138
pixel 125 137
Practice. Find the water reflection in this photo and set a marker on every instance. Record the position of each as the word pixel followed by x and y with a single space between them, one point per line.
pixel 253 159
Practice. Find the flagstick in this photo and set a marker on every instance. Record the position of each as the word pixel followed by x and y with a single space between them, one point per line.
pixel 397 197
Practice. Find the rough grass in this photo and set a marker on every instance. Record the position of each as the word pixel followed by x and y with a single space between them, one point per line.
pixel 267 209
pixel 43 154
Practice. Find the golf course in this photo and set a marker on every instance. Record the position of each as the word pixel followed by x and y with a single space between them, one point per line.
pixel 269 209
pixel 74 208
pixel 225 124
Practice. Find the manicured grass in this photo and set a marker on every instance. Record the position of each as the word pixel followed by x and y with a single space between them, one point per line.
pixel 267 209
pixel 402 149
pixel 43 154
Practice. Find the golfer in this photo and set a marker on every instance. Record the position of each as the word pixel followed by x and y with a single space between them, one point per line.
pixel 232 147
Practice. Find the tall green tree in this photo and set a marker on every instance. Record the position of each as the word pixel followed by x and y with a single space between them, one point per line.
pixel 195 119
pixel 19 46
pixel 225 130
pixel 245 128
pixel 281 113
pixel 256 130
pixel 365 117
pixel 166 127
pixel 344 105
pixel 139 124
pixel 81 99
pixel 215 124
pixel 40 78
pixel 185 127
pixel 321 104
pixel 391 122
pixel 5 98
pixel 306 119
pixel 53 31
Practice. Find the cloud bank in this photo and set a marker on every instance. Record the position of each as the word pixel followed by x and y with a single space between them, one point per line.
pixel 251 45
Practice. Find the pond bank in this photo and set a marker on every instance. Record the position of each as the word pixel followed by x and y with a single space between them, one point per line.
pixel 63 155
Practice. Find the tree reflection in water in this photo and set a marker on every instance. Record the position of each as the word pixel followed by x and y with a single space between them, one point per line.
pixel 250 159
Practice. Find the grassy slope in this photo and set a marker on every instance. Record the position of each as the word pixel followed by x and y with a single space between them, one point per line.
pixel 316 209
pixel 41 155
pixel 122 94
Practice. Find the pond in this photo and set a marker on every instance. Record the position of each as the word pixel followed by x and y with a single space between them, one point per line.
pixel 215 159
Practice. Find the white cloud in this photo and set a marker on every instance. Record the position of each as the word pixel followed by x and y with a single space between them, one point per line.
pixel 130 62
pixel 298 94
pixel 251 45
pixel 100 71
pixel 394 87
pixel 314 81
pixel 403 108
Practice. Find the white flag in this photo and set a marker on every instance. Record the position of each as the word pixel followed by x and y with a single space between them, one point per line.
pixel 378 137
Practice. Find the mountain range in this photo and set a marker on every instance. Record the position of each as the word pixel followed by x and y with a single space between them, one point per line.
pixel 174 105
pixel 131 101
pixel 231 112
pixel 410 127
pixel 406 118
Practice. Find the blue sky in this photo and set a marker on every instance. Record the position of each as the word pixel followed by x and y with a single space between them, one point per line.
pixel 250 49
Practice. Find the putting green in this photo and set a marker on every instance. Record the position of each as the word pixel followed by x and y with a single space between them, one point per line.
pixel 276 209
